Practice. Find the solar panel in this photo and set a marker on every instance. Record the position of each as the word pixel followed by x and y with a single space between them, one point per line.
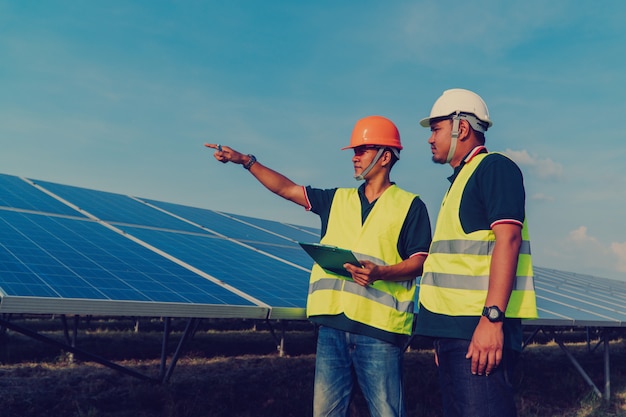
pixel 60 265
pixel 272 238
pixel 57 260
pixel 115 208
pixel 570 299
pixel 75 250
pixel 238 227
pixel 296 233
pixel 19 194
pixel 269 279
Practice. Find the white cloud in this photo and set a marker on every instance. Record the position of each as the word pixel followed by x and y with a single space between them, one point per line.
pixel 598 257
pixel 580 236
pixel 619 249
pixel 544 168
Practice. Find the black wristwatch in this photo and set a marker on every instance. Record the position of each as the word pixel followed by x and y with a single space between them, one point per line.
pixel 251 161
pixel 493 313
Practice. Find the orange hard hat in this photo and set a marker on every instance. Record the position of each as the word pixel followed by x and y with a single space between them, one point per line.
pixel 376 131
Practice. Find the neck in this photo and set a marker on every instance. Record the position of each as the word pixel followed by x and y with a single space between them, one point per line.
pixel 375 188
pixel 462 151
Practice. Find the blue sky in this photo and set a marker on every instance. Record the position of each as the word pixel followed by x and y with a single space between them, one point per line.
pixel 120 96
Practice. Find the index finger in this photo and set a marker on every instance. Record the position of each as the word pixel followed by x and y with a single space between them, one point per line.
pixel 213 146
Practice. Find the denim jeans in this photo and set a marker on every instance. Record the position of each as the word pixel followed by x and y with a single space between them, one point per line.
pixel 376 365
pixel 467 395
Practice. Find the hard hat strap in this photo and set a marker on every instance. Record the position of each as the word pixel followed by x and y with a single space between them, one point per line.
pixel 455 135
pixel 477 124
pixel 366 171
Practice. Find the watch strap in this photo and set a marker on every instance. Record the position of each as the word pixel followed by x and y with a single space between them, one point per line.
pixel 251 161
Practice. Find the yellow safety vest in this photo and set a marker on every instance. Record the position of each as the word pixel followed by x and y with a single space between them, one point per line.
pixel 384 305
pixel 456 273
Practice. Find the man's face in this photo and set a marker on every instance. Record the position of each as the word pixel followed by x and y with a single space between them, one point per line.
pixel 439 140
pixel 363 156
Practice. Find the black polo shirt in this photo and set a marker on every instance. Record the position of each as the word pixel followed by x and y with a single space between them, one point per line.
pixel 493 194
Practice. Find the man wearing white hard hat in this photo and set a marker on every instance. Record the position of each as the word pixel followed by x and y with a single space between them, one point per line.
pixel 477 282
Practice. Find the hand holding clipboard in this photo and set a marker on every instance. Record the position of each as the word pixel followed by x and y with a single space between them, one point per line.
pixel 331 258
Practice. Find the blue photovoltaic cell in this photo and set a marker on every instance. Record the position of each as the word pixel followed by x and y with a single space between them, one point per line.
pixel 225 224
pixel 571 297
pixel 45 256
pixel 294 254
pixel 116 208
pixel 297 233
pixel 16 193
pixel 269 280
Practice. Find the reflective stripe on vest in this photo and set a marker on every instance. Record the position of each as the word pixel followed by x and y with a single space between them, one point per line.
pixel 456 273
pixel 385 305
pixel 352 287
pixel 471 247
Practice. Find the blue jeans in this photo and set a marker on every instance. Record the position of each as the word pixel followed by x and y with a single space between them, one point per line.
pixel 377 366
pixel 467 395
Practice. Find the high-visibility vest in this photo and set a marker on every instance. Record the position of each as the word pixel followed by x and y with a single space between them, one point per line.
pixel 455 279
pixel 384 305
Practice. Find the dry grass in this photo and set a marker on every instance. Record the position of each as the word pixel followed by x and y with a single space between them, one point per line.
pixel 237 372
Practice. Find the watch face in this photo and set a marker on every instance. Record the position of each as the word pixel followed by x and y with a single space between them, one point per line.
pixel 494 314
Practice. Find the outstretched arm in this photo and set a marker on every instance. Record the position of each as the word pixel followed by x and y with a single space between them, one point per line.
pixel 272 180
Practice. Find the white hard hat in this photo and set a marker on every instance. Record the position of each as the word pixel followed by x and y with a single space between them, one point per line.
pixel 463 103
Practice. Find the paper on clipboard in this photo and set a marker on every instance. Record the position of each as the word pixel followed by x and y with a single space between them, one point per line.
pixel 331 258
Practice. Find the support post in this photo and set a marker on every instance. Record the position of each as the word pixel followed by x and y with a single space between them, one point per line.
pixel 607 369
pixel 166 337
pixel 189 329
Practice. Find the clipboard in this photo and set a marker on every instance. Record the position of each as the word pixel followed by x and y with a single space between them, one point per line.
pixel 331 258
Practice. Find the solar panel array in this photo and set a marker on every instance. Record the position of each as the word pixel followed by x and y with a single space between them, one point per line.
pixel 571 299
pixel 71 250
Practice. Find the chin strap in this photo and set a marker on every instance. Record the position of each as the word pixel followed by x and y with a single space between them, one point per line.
pixel 366 171
pixel 455 135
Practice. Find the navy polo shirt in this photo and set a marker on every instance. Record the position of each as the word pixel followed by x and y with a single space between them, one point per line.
pixel 493 194
pixel 415 237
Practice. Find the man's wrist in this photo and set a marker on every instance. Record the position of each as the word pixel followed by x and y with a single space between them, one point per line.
pixel 493 314
pixel 251 161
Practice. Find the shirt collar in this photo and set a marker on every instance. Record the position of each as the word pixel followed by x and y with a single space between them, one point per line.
pixel 476 151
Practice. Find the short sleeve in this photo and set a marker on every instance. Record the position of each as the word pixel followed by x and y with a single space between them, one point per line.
pixel 416 235
pixel 495 193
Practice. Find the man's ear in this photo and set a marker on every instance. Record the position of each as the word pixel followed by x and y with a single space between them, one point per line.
pixel 464 129
pixel 385 158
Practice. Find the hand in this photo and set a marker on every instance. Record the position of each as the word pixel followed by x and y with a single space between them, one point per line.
pixel 366 274
pixel 226 154
pixel 485 349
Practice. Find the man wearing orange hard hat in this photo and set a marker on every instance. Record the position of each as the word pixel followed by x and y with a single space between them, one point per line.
pixel 365 318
